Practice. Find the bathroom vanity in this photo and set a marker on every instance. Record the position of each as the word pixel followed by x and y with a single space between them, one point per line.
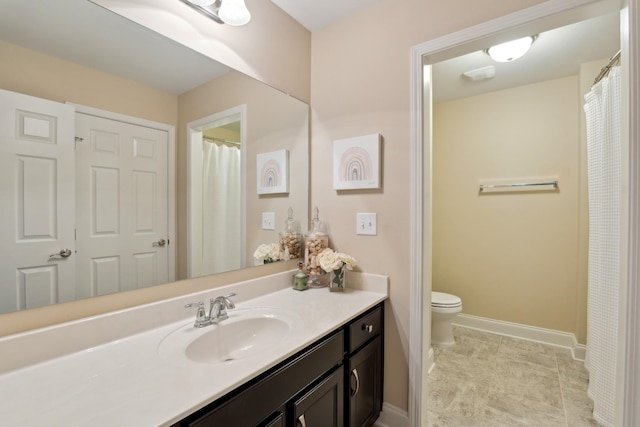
pixel 309 388
pixel 314 358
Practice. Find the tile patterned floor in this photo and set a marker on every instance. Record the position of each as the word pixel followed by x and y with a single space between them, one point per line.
pixel 491 380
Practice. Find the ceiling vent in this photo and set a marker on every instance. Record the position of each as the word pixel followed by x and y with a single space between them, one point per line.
pixel 478 74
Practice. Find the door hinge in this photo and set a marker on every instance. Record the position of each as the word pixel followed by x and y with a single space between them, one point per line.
pixel 78 139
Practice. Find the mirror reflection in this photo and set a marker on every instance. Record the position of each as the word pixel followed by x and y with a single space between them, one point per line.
pixel 128 223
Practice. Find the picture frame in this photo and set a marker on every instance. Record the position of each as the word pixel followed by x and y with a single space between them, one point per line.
pixel 356 162
pixel 272 170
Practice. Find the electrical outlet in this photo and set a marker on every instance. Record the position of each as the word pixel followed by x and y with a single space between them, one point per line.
pixel 268 220
pixel 367 224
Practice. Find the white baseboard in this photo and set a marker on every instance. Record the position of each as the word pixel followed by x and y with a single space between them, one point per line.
pixel 392 416
pixel 531 333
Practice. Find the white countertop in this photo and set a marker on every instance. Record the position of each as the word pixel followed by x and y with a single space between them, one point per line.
pixel 126 381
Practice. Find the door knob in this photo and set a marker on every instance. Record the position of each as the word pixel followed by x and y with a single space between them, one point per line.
pixel 64 253
pixel 160 243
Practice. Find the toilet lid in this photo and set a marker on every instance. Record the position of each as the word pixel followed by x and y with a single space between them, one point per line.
pixel 441 299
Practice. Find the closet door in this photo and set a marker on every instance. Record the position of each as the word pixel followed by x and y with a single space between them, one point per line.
pixel 37 219
pixel 122 208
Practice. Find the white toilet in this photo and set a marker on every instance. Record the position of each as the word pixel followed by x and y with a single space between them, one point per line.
pixel 444 308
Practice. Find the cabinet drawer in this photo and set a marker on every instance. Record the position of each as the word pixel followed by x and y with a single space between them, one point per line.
pixel 364 328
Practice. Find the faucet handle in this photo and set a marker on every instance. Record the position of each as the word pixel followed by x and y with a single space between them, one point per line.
pixel 201 315
pixel 228 302
pixel 199 304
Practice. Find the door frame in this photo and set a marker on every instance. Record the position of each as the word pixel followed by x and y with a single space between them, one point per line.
pixel 171 171
pixel 420 357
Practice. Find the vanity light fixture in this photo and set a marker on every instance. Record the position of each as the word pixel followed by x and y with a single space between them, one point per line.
pixel 232 12
pixel 510 51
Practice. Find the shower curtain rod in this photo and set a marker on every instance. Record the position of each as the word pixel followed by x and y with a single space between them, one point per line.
pixel 614 60
pixel 214 139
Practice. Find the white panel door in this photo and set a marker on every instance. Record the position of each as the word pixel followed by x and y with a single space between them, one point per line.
pixel 37 191
pixel 122 206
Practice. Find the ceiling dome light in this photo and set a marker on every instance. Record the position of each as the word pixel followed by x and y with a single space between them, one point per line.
pixel 234 12
pixel 510 51
pixel 202 2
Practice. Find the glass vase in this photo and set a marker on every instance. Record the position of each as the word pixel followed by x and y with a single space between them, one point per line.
pixel 338 279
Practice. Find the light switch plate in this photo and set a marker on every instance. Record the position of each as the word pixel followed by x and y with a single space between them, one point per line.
pixel 366 224
pixel 268 220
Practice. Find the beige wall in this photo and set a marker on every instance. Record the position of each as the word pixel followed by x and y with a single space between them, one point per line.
pixel 359 86
pixel 275 121
pixel 510 256
pixel 32 73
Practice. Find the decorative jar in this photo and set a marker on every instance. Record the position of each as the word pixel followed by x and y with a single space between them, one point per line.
pixel 316 241
pixel 291 239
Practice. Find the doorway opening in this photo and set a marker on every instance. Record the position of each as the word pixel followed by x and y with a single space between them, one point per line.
pixel 532 21
pixel 216 195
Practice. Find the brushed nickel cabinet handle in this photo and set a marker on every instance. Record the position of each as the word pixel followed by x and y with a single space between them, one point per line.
pixel 355 390
pixel 301 421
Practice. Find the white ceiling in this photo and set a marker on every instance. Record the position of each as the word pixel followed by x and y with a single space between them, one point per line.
pixel 316 14
pixel 555 54
pixel 84 33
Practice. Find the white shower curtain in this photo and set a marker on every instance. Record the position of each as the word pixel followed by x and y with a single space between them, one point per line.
pixel 221 240
pixel 602 110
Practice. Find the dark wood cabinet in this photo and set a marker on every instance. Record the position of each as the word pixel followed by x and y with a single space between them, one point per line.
pixel 364 366
pixel 335 382
pixel 323 405
pixel 277 420
pixel 365 385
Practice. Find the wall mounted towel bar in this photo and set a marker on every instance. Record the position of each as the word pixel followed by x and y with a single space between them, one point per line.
pixel 549 185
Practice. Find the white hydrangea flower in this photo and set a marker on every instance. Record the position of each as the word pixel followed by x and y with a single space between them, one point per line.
pixel 268 252
pixel 330 260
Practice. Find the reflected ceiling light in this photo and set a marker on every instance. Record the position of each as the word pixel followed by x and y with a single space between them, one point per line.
pixel 510 51
pixel 202 2
pixel 232 12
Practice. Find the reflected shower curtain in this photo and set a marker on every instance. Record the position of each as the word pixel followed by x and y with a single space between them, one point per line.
pixel 221 243
pixel 602 110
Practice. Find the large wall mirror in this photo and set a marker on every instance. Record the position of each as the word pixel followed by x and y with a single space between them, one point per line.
pixel 84 57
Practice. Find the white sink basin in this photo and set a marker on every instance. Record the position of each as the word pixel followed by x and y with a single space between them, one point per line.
pixel 246 333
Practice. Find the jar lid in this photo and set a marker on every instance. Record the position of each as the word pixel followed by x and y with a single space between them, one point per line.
pixel 291 226
pixel 317 226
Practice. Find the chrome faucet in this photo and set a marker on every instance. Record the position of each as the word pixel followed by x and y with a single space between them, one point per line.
pixel 217 310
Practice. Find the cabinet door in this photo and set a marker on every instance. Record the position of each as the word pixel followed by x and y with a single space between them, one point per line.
pixel 277 420
pixel 322 406
pixel 365 385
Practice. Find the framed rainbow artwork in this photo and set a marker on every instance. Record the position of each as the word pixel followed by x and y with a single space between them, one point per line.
pixel 356 162
pixel 273 172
